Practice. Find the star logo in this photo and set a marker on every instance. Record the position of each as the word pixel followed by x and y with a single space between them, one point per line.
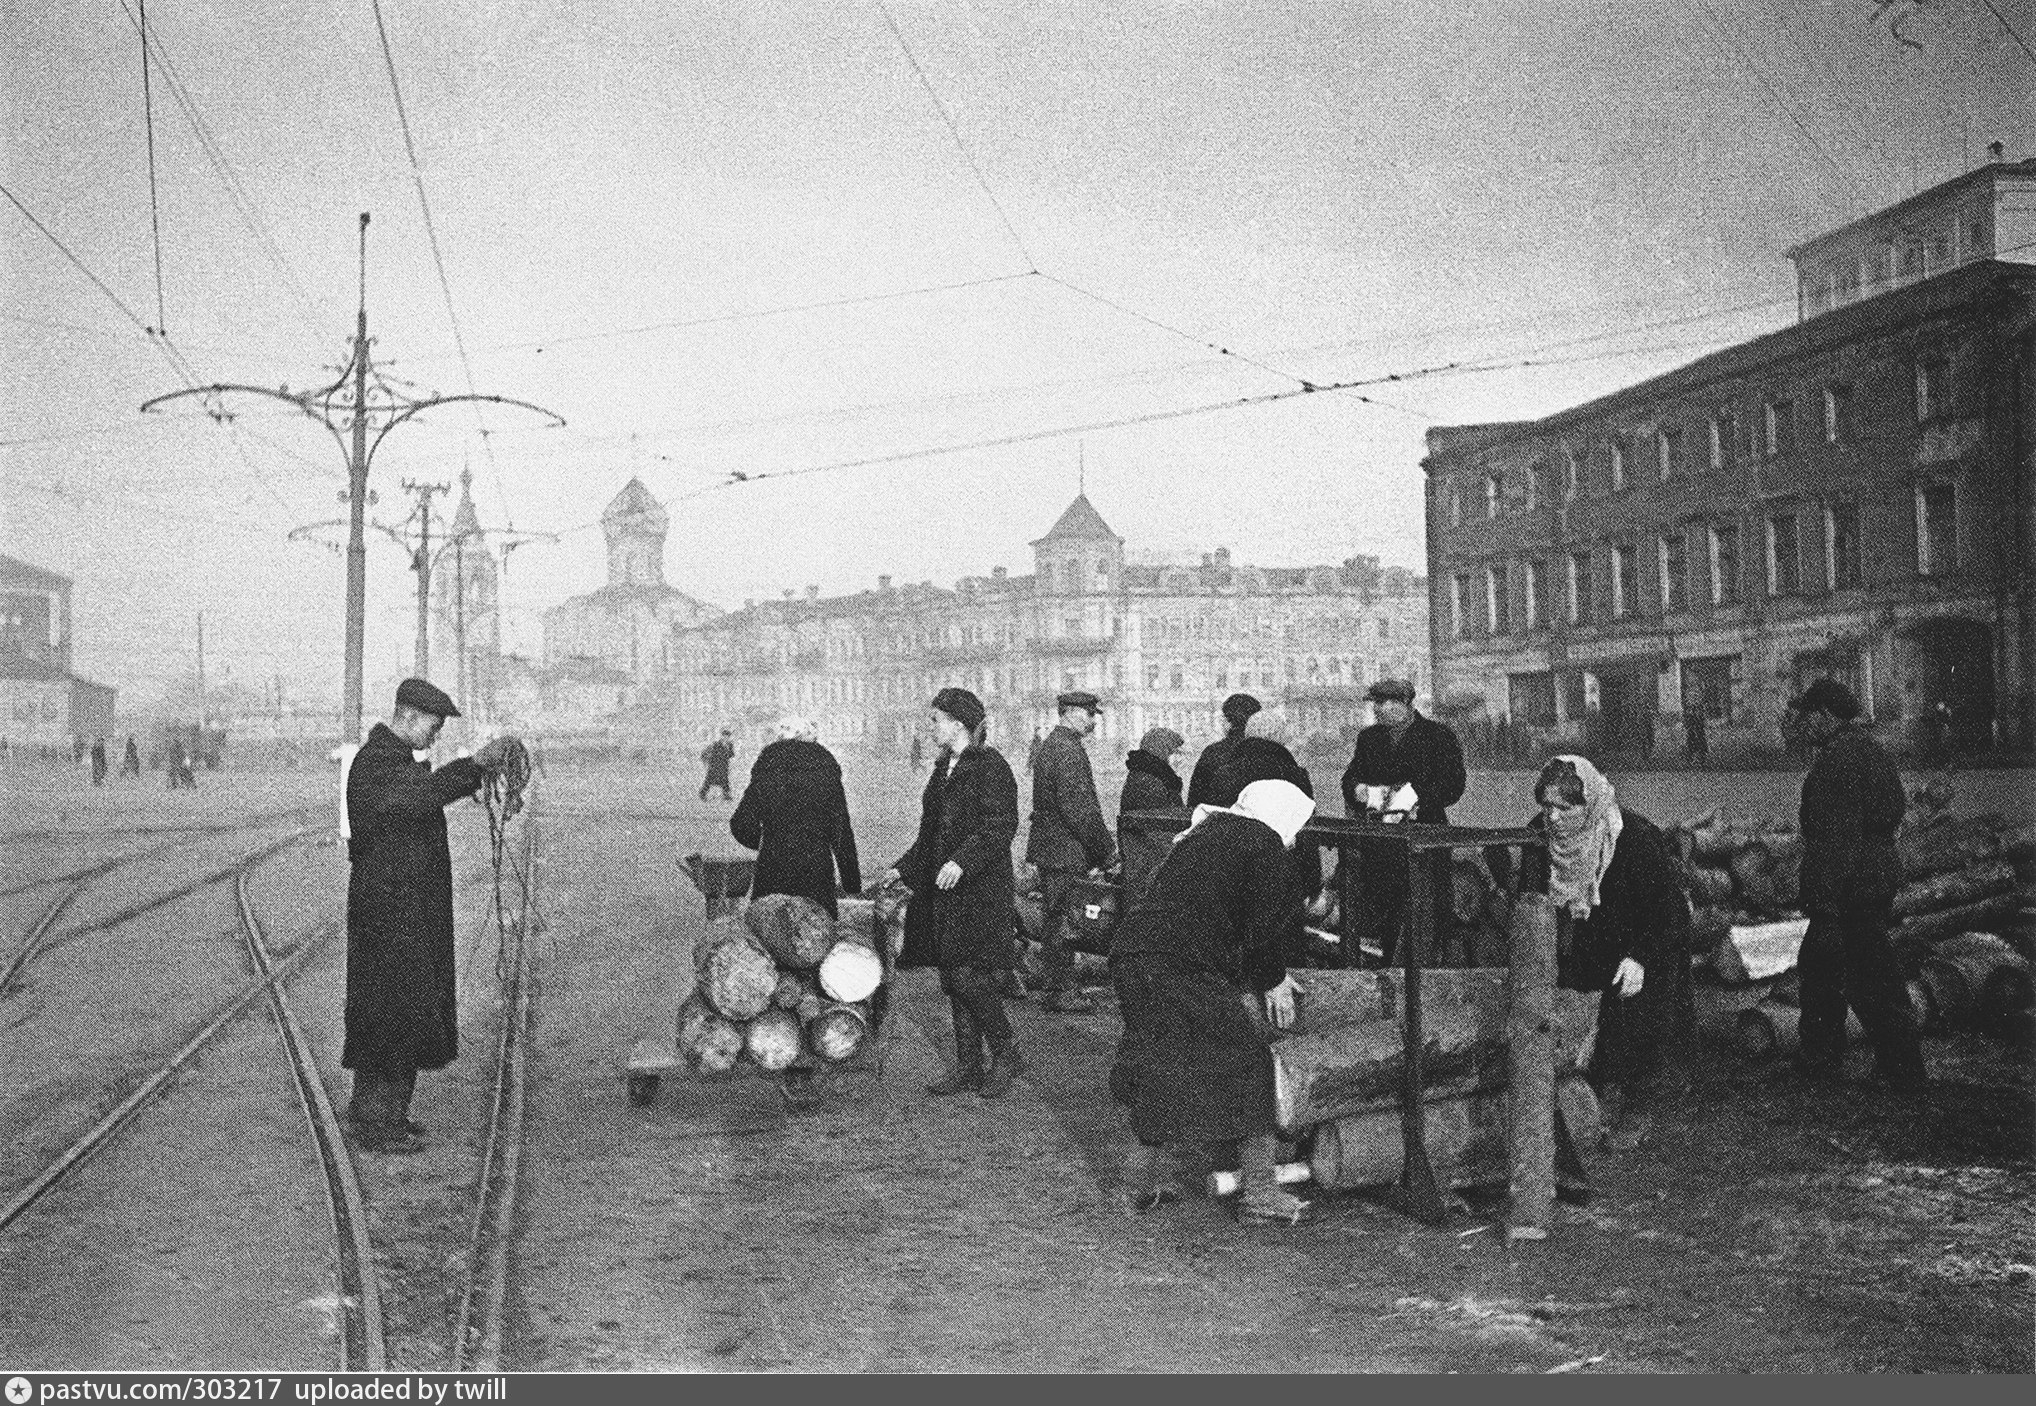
pixel 18 1390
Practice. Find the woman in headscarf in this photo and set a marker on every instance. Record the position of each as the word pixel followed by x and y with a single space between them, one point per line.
pixel 1200 956
pixel 961 916
pixel 1625 932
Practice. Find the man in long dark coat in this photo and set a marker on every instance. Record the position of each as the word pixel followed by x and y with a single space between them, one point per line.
pixel 717 755
pixel 1852 805
pixel 401 993
pixel 1238 709
pixel 794 814
pixel 1068 839
pixel 1402 748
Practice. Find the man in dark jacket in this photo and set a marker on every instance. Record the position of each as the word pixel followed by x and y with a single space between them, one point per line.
pixel 401 994
pixel 717 755
pixel 1852 805
pixel 1401 748
pixel 1237 712
pixel 1068 839
pixel 794 814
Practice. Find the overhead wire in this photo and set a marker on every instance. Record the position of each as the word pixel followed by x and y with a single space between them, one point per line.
pixel 438 262
pixel 2013 33
pixel 148 112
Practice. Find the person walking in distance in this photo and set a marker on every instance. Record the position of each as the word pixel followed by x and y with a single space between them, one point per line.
pixel 1696 727
pixel 963 890
pixel 98 761
pixel 717 755
pixel 1068 839
pixel 402 1011
pixel 130 760
pixel 1852 805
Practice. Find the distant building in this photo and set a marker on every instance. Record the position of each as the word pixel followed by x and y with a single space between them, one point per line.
pixel 1849 497
pixel 466 613
pixel 1161 645
pixel 626 625
pixel 42 703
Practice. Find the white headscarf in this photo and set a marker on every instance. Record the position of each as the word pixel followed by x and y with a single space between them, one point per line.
pixel 1281 805
pixel 795 728
pixel 1581 852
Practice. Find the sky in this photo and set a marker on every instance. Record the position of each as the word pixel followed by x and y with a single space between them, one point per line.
pixel 915 271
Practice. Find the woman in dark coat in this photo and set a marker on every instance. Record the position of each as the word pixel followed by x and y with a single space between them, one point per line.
pixel 1614 888
pixel 1202 947
pixel 1150 783
pixel 962 913
pixel 794 814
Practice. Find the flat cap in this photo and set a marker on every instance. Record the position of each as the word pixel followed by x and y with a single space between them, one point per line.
pixel 425 698
pixel 1391 690
pixel 1079 698
pixel 1239 706
pixel 1829 696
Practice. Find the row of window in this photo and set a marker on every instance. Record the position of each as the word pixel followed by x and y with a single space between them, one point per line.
pixel 1656 577
pixel 1725 441
pixel 1847 278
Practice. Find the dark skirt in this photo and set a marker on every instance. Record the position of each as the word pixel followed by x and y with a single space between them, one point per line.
pixel 1193 1065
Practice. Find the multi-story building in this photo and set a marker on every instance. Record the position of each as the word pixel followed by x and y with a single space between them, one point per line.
pixel 1160 644
pixel 42 703
pixel 1848 497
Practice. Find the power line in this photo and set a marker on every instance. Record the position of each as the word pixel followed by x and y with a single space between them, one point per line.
pixel 1216 347
pixel 2013 33
pixel 148 111
pixel 955 132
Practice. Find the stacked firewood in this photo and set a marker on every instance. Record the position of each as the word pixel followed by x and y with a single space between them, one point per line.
pixel 784 984
pixel 1738 874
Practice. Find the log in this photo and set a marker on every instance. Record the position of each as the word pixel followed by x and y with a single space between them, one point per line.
pixel 1755 952
pixel 851 971
pixel 794 929
pixel 1709 926
pixel 1466 1140
pixel 1955 888
pixel 1334 997
pixel 793 987
pixel 1711 888
pixel 1982 916
pixel 1530 1060
pixel 837 1032
pixel 859 920
pixel 1357 1068
pixel 1950 844
pixel 1226 1182
pixel 737 977
pixel 709 1042
pixel 772 1040
pixel 1770 1030
pixel 1976 978
pixel 1712 841
pixel 1767 871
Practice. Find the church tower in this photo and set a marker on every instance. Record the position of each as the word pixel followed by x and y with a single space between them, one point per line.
pixel 1079 555
pixel 635 525
pixel 465 586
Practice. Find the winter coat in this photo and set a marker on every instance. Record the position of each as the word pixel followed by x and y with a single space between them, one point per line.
pixel 1245 760
pixel 1426 755
pixel 794 814
pixel 1211 932
pixel 1852 806
pixel 1202 781
pixel 1068 832
pixel 968 814
pixel 717 755
pixel 1150 783
pixel 401 1009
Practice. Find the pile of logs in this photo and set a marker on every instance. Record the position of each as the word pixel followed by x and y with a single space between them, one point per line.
pixel 1738 874
pixel 1338 1069
pixel 783 984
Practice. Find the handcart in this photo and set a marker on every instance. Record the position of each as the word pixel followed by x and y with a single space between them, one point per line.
pixel 723 882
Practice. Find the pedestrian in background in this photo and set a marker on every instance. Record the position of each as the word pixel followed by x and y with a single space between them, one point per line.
pixel 1400 749
pixel 964 892
pixel 1068 839
pixel 1696 736
pixel 98 761
pixel 402 1011
pixel 1238 710
pixel 794 814
pixel 1201 948
pixel 1852 805
pixel 1150 783
pixel 717 755
pixel 130 760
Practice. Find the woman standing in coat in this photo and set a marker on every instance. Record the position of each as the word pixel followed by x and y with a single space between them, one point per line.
pixel 1614 888
pixel 963 894
pixel 794 814
pixel 1203 947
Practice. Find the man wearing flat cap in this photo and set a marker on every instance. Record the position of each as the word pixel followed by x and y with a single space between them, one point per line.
pixel 1852 805
pixel 1068 839
pixel 1400 750
pixel 1238 710
pixel 401 994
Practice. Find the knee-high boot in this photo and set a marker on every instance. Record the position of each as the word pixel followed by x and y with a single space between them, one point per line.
pixel 968 1051
pixel 1263 1199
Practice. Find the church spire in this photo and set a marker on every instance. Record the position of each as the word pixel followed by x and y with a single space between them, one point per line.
pixel 465 521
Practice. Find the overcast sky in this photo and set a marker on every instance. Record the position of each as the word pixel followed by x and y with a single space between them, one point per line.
pixel 638 204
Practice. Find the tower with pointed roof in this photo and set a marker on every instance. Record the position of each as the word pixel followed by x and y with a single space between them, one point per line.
pixel 467 617
pixel 635 525
pixel 1079 555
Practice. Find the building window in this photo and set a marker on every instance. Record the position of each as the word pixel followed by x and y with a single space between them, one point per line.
pixel 1537 595
pixel 1724 563
pixel 1578 587
pixel 1933 389
pixel 1781 428
pixel 1459 589
pixel 1936 529
pixel 1496 612
pixel 1668 452
pixel 1837 412
pixel 1674 574
pixel 1178 679
pixel 1385 629
pixel 1571 472
pixel 1455 500
pixel 1841 546
pixel 1723 432
pixel 1912 261
pixel 1152 676
pixel 1784 556
pixel 1537 485
pixel 1495 490
pixel 1625 582
pixel 1618 466
pixel 1530 698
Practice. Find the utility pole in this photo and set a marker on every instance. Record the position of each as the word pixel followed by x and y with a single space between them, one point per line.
pixel 201 669
pixel 346 409
pixel 420 562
